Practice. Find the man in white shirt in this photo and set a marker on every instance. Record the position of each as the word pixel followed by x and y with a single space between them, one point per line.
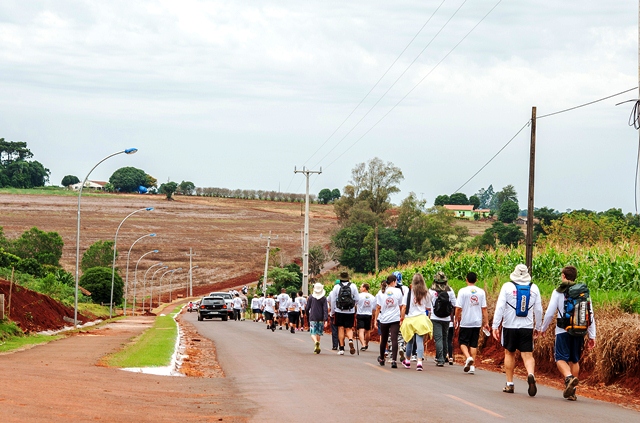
pixel 471 314
pixel 302 302
pixel 344 314
pixel 568 348
pixel 237 307
pixel 364 309
pixel 518 331
pixel 268 306
pixel 283 302
pixel 255 308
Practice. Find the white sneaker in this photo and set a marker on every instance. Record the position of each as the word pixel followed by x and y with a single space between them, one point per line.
pixel 468 364
pixel 414 358
pixel 472 370
pixel 341 352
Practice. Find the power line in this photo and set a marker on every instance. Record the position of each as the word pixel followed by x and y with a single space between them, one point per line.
pixel 587 104
pixel 394 82
pixel 416 86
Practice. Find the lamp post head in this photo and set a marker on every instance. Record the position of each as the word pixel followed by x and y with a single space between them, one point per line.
pixel 131 150
pixel 155 251
pixel 152 234
pixel 149 209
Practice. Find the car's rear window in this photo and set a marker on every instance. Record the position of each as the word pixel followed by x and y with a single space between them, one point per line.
pixel 210 301
pixel 223 295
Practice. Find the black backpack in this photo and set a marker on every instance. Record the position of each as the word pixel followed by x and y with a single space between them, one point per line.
pixel 345 299
pixel 442 307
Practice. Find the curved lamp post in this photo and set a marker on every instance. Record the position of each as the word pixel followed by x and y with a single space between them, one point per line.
pixel 160 284
pixel 170 281
pixel 135 280
pixel 144 286
pixel 113 266
pixel 75 302
pixel 126 284
pixel 190 281
pixel 151 286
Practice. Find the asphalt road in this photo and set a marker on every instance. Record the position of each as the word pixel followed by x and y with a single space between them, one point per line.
pixel 280 379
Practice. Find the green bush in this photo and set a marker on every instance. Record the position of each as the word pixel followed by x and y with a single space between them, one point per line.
pixel 97 280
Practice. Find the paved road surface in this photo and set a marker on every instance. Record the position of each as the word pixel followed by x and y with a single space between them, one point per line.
pixel 281 380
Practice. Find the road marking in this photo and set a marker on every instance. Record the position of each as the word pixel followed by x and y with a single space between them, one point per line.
pixel 378 367
pixel 475 406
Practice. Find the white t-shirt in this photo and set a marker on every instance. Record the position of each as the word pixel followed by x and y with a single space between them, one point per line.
pixel 389 303
pixel 416 309
pixel 255 303
pixel 366 304
pixel 269 305
pixel 506 314
pixel 434 296
pixel 302 302
pixel 293 305
pixel 471 300
pixel 556 307
pixel 283 301
pixel 237 303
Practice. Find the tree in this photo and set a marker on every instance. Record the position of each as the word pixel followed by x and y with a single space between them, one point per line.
pixel 128 179
pixel 507 193
pixel 150 182
pixel 459 198
pixel 475 201
pixel 168 189
pixel 486 197
pixel 508 211
pixel 44 247
pixel 186 187
pixel 324 196
pixel 99 254
pixel 545 215
pixel 97 280
pixel 510 235
pixel 284 278
pixel 69 180
pixel 335 194
pixel 442 200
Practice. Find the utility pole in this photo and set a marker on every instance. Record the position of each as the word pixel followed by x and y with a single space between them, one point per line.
pixel 305 255
pixel 191 254
pixel 266 264
pixel 532 174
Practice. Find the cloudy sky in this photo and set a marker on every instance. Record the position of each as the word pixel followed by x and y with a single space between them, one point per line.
pixel 236 93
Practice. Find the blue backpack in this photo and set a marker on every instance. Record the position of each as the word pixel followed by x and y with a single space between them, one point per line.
pixel 523 295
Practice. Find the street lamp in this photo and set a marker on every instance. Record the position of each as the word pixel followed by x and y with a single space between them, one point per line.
pixel 113 266
pixel 75 303
pixel 170 281
pixel 126 284
pixel 190 286
pixel 144 286
pixel 135 280
pixel 160 284
pixel 151 287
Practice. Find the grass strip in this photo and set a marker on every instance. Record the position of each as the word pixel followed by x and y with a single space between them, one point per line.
pixel 17 342
pixel 153 348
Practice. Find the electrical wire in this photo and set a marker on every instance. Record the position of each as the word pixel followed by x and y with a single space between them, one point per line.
pixel 587 104
pixel 416 85
pixel 634 120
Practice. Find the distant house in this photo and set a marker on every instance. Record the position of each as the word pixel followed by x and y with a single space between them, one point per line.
pixel 466 212
pixel 95 185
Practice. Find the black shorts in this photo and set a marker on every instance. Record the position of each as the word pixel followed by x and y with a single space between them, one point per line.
pixel 268 315
pixel 257 311
pixel 293 317
pixel 344 319
pixel 517 339
pixel 469 337
pixel 364 321
pixel 282 313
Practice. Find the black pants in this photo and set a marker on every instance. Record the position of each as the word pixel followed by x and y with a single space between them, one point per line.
pixel 386 330
pixel 450 341
pixel 236 314
pixel 334 334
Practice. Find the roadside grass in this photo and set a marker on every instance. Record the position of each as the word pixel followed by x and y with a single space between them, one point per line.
pixel 153 348
pixel 97 310
pixel 12 338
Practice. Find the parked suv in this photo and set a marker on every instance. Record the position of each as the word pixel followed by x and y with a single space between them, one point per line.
pixel 228 300
pixel 211 307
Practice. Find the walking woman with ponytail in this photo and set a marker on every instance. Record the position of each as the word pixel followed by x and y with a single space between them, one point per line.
pixel 416 325
pixel 390 314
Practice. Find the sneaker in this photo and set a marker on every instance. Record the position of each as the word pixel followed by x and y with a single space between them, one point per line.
pixel 334 348
pixel 440 364
pixel 341 352
pixel 380 361
pixel 570 384
pixel 533 390
pixel 406 364
pixel 352 349
pixel 450 361
pixel 468 364
pixel 472 370
pixel 394 365
pixel 280 327
pixel 363 349
pixel 293 330
pixel 317 348
pixel 572 398
pixel 414 358
pixel 419 367
pixel 508 389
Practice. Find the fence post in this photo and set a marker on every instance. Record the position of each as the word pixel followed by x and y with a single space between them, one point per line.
pixel 1 306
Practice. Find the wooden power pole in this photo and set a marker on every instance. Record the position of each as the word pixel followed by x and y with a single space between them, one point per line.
pixel 532 174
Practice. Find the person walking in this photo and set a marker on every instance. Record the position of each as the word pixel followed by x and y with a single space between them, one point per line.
pixel 390 314
pixel 471 316
pixel 255 308
pixel 443 301
pixel 302 304
pixel 237 307
pixel 283 302
pixel 416 324
pixel 564 303
pixel 364 311
pixel 268 307
pixel 293 309
pixel 318 313
pixel 519 310
pixel 344 298
pixel 334 328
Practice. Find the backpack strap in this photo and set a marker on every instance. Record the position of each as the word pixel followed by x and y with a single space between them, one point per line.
pixel 408 305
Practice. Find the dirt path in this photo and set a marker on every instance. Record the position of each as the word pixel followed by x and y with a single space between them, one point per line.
pixel 60 382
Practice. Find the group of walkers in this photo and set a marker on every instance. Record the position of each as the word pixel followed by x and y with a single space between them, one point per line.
pixel 288 311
